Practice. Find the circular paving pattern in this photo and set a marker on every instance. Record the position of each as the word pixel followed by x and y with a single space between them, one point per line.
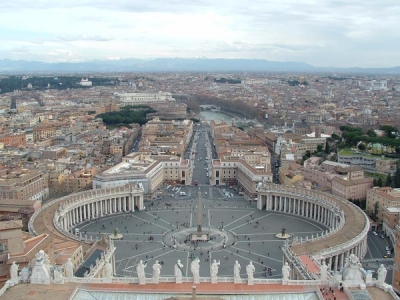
pixel 236 230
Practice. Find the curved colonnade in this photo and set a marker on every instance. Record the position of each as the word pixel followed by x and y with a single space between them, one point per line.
pixel 348 225
pixel 80 207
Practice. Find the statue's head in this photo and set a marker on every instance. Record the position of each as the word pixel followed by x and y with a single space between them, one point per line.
pixel 179 261
pixel 286 264
pixel 381 266
pixel 215 260
pixel 156 261
pixel 236 262
pixel 141 261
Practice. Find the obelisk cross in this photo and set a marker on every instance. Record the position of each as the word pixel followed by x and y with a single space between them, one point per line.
pixel 199 215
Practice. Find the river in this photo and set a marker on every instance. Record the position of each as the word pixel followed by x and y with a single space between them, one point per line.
pixel 209 115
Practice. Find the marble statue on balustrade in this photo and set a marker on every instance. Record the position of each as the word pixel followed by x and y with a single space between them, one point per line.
pixel 352 273
pixel 14 272
pixel 250 269
pixel 286 271
pixel 382 272
pixel 214 271
pixel 108 270
pixel 41 269
pixel 140 272
pixel 195 269
pixel 324 271
pixel 178 271
pixel 236 273
pixel 57 274
pixel 69 268
pixel 156 272
pixel 25 274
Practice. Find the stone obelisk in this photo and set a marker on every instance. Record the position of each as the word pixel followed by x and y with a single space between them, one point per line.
pixel 199 216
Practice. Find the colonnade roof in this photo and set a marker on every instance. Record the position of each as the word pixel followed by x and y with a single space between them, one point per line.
pixel 354 224
pixel 43 223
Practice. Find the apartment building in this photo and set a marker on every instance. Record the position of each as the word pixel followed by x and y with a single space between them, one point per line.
pixel 385 197
pixel 166 136
pixel 10 242
pixel 13 139
pixel 343 180
pixel 23 184
pixel 43 132
pixel 77 181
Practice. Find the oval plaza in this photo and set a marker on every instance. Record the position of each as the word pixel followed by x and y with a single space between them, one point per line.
pixel 347 233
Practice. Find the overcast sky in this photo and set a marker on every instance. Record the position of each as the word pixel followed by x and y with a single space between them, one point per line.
pixel 342 33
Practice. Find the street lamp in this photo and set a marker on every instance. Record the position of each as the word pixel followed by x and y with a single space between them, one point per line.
pixel 222 225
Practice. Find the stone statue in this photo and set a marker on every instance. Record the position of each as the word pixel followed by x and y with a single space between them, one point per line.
pixel 382 274
pixel 41 269
pixel 214 271
pixel 140 272
pixel 108 270
pixel 324 271
pixel 14 272
pixel 214 268
pixel 58 277
pixel 195 269
pixel 250 269
pixel 351 270
pixel 236 272
pixel 286 271
pixel 178 271
pixel 69 268
pixel 156 272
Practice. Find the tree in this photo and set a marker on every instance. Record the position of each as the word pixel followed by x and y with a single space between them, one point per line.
pixel 319 148
pixel 361 147
pixel 380 182
pixel 371 133
pixel 389 130
pixel 327 148
pixel 389 181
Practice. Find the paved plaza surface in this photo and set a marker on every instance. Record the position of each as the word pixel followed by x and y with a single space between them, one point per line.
pixel 238 232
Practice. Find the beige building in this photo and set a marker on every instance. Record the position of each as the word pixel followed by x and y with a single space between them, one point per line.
pixel 291 174
pixel 147 170
pixel 385 197
pixel 166 136
pixel 77 181
pixel 238 171
pixel 43 132
pixel 10 242
pixel 343 180
pixel 23 184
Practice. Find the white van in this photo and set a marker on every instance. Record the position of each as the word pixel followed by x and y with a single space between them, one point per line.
pixel 182 193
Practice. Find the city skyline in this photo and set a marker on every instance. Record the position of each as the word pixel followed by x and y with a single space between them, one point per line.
pixel 329 34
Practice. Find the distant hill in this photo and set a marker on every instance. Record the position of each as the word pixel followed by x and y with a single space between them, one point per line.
pixel 176 65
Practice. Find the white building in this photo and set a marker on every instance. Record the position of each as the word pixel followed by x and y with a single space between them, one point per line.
pixel 143 98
